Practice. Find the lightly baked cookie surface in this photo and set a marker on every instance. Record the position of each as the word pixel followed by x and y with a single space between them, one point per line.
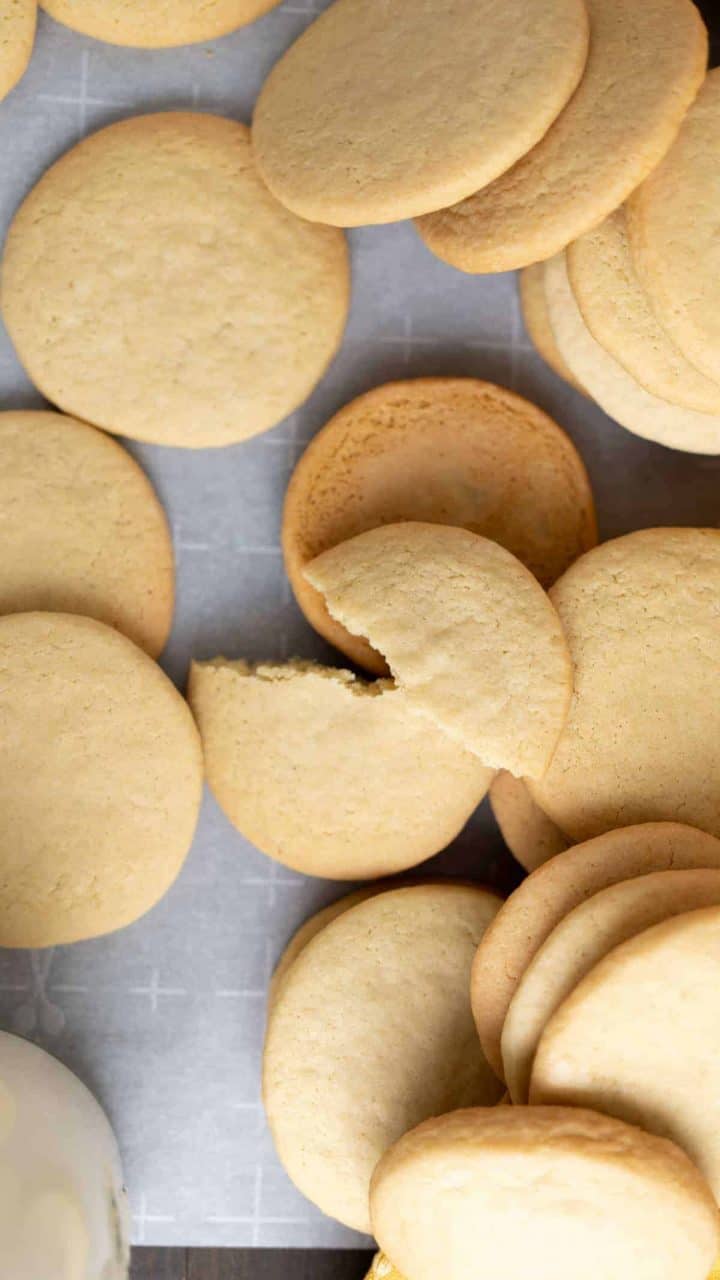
pixel 529 834
pixel 83 531
pixel 609 383
pixel 329 775
pixel 539 904
pixel 467 631
pixel 514 1191
pixel 371 1032
pixel 64 1211
pixel 673 223
pixel 619 315
pixel 310 929
pixel 155 24
pixel 583 938
pixel 638 1038
pixel 453 451
pixel 531 283
pixel 646 62
pixel 382 111
pixel 17 36
pixel 153 250
pixel 642 739
pixel 100 780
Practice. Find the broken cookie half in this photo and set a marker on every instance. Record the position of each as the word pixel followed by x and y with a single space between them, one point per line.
pixel 471 638
pixel 328 774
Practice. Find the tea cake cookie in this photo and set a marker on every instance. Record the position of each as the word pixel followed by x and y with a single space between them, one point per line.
pixel 531 281
pixel 152 250
pixel 467 631
pixel 579 941
pixel 64 1212
pixel 83 531
pixel 638 1038
pixel 642 740
pixel 619 315
pixel 538 905
pixel 371 1032
pixel 453 451
pixel 100 780
pixel 327 774
pixel 609 383
pixel 673 232
pixel 155 24
pixel 529 834
pixel 17 37
pixel 646 63
pixel 539 1191
pixel 428 103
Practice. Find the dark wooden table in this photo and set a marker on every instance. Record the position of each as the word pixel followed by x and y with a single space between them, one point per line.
pixel 249 1264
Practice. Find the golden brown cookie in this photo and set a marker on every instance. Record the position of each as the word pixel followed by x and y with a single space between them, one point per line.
pixel 100 780
pixel 580 941
pixel 638 1038
pixel 153 251
pixel 327 774
pixel 451 451
pixel 83 531
pixel 642 739
pixel 155 24
pixel 673 232
pixel 550 1192
pixel 646 62
pixel 609 383
pixel 469 634
pixel 371 1032
pixel 382 111
pixel 554 889
pixel 618 312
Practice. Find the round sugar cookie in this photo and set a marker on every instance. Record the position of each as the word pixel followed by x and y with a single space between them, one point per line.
pixel 100 780
pixel 371 1032
pixel 638 1038
pixel 153 251
pixel 63 1212
pixel 579 942
pixel 327 774
pixel 674 233
pixel 551 1192
pixel 554 889
pixel 83 531
pixel 155 24
pixel 454 451
pixel 468 632
pixel 531 281
pixel 646 62
pixel 609 383
pixel 642 739
pixel 619 315
pixel 379 112
pixel 529 834
pixel 18 19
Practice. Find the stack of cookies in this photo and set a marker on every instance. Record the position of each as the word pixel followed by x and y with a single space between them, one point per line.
pixel 628 312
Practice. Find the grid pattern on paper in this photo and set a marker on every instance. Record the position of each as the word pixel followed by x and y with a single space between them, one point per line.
pixel 165 1021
